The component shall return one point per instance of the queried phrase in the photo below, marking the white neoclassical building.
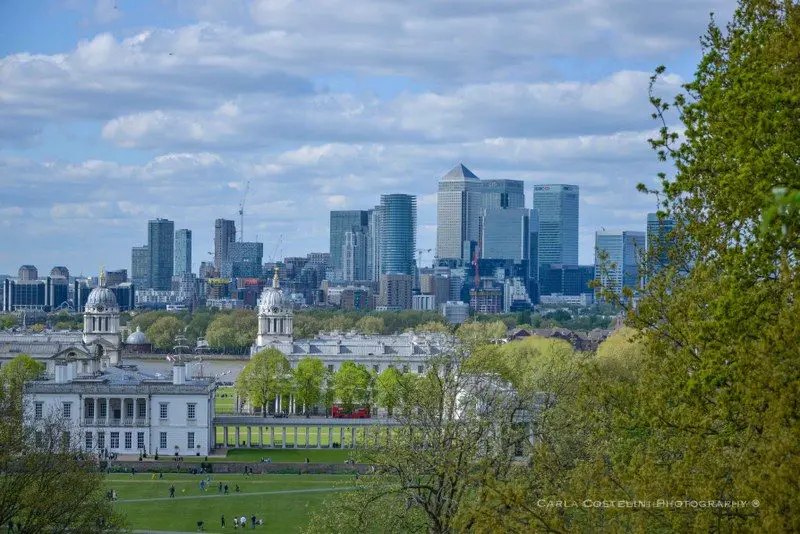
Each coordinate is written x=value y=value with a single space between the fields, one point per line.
x=406 y=352
x=113 y=407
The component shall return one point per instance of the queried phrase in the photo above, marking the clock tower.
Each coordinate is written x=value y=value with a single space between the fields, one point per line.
x=101 y=324
x=274 y=315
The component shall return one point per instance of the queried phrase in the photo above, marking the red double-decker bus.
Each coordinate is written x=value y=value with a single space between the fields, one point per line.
x=357 y=413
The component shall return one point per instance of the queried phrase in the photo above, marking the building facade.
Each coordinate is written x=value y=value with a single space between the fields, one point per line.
x=161 y=247
x=140 y=267
x=183 y=252
x=395 y=292
x=458 y=211
x=342 y=222
x=623 y=251
x=558 y=210
x=398 y=234
x=224 y=235
x=658 y=241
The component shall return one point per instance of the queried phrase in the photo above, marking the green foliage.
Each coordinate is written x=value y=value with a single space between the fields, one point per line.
x=351 y=383
x=309 y=377
x=267 y=374
x=232 y=330
x=15 y=373
x=370 y=325
x=8 y=321
x=389 y=388
x=162 y=332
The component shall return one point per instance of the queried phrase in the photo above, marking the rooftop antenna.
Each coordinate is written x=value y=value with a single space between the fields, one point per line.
x=241 y=211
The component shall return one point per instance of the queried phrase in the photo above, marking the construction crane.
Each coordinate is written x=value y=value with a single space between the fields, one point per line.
x=241 y=211
x=273 y=257
x=420 y=252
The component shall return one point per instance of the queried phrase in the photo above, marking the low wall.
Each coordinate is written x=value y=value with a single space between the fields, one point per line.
x=238 y=467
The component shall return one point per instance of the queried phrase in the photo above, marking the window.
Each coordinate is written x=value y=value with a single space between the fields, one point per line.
x=330 y=367
x=162 y=410
x=129 y=410
x=420 y=369
x=89 y=441
x=103 y=408
x=89 y=410
x=101 y=440
x=142 y=410
x=67 y=410
x=162 y=441
x=114 y=440
x=405 y=368
x=191 y=411
x=190 y=440
x=140 y=440
x=38 y=410
x=376 y=368
x=128 y=440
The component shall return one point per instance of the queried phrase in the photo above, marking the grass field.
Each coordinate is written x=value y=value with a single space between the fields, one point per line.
x=283 y=501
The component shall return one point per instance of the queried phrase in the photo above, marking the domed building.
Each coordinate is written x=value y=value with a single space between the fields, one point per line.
x=138 y=342
x=101 y=324
x=274 y=315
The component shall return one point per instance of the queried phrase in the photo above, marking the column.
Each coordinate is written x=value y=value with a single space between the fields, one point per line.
x=319 y=436
x=283 y=445
x=341 y=437
x=261 y=436
x=276 y=403
x=236 y=435
x=272 y=436
x=225 y=436
x=353 y=437
x=296 y=440
x=108 y=410
x=249 y=436
x=96 y=410
x=330 y=437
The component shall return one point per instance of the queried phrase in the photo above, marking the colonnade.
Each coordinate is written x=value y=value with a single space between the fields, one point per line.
x=310 y=436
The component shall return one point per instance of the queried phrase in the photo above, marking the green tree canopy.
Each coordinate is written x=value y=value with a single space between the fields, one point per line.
x=267 y=374
x=15 y=373
x=163 y=331
x=309 y=377
x=351 y=383
x=389 y=389
x=371 y=324
x=233 y=330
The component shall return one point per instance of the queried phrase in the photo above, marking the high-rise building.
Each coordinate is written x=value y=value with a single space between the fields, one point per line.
x=502 y=194
x=570 y=280
x=341 y=223
x=557 y=205
x=658 y=240
x=224 y=235
x=28 y=273
x=374 y=245
x=398 y=234
x=183 y=252
x=140 y=267
x=458 y=211
x=207 y=270
x=624 y=251
x=115 y=278
x=161 y=246
x=354 y=256
x=60 y=270
x=396 y=292
x=244 y=260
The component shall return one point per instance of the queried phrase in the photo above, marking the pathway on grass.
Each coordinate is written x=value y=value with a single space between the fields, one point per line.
x=241 y=494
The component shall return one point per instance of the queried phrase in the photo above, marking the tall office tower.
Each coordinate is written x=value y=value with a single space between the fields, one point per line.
x=624 y=251
x=140 y=267
x=374 y=244
x=658 y=241
x=458 y=211
x=395 y=292
x=161 y=246
x=322 y=259
x=60 y=270
x=207 y=270
x=27 y=273
x=244 y=260
x=341 y=223
x=115 y=278
x=354 y=256
x=557 y=205
x=224 y=235
x=398 y=234
x=501 y=194
x=183 y=252
x=513 y=234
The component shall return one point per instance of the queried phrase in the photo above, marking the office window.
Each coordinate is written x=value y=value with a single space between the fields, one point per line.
x=190 y=440
x=191 y=411
x=101 y=440
x=140 y=440
x=67 y=410
x=128 y=440
x=162 y=441
x=162 y=410
x=38 y=410
x=88 y=441
x=114 y=440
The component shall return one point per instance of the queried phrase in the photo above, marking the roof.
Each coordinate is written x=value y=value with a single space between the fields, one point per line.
x=460 y=173
x=122 y=379
x=43 y=345
x=393 y=346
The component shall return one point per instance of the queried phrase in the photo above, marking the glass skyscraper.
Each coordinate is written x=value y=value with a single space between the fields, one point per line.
x=557 y=205
x=183 y=252
x=624 y=251
x=398 y=233
x=344 y=221
x=658 y=240
x=161 y=246
x=224 y=235
x=140 y=267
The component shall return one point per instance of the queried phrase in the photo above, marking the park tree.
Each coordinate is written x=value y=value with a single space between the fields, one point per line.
x=8 y=321
x=309 y=377
x=15 y=373
x=163 y=331
x=389 y=389
x=266 y=375
x=235 y=330
x=436 y=327
x=351 y=383
x=370 y=324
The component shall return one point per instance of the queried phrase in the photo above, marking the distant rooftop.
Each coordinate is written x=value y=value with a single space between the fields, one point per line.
x=460 y=173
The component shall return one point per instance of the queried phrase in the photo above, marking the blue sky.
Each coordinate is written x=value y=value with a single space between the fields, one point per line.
x=113 y=112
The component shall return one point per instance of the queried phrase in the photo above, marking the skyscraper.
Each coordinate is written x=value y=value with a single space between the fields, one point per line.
x=458 y=211
x=557 y=205
x=341 y=223
x=624 y=250
x=161 y=246
x=224 y=235
x=398 y=233
x=244 y=260
x=658 y=240
x=374 y=245
x=354 y=256
x=140 y=267
x=501 y=194
x=183 y=252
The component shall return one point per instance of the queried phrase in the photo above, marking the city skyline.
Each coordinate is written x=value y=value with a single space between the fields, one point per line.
x=175 y=108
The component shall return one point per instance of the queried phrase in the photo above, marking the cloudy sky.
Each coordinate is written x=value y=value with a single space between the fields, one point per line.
x=113 y=112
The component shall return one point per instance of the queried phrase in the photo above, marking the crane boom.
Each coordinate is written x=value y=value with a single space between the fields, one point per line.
x=241 y=211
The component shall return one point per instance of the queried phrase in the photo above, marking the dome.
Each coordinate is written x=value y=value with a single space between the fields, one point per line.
x=272 y=298
x=101 y=297
x=137 y=338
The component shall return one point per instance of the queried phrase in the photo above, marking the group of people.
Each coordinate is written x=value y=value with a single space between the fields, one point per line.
x=111 y=495
x=241 y=522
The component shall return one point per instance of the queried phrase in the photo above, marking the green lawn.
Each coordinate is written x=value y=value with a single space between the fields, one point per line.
x=330 y=456
x=225 y=404
x=147 y=504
